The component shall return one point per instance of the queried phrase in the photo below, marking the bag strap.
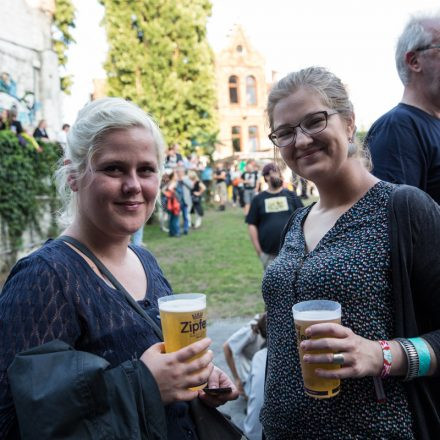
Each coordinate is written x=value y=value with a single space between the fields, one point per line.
x=118 y=286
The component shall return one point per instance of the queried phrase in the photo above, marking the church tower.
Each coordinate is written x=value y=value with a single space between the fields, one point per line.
x=242 y=94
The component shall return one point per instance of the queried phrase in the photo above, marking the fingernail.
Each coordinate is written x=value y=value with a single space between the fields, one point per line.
x=306 y=358
x=303 y=345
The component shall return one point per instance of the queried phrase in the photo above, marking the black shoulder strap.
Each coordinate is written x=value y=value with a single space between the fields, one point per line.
x=118 y=286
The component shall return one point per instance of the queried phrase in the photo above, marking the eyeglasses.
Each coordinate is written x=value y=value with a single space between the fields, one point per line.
x=430 y=46
x=311 y=124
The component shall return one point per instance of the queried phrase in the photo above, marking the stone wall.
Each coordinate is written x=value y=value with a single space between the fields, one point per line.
x=32 y=239
x=26 y=56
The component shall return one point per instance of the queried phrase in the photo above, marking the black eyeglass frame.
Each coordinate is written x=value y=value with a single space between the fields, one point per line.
x=293 y=127
x=430 y=46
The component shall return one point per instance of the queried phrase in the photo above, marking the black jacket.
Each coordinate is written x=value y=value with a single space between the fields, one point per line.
x=62 y=393
x=414 y=220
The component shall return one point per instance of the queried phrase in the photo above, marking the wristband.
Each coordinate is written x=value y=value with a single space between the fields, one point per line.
x=424 y=355
x=387 y=358
x=411 y=356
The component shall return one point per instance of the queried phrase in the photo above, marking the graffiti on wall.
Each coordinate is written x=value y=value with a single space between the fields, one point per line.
x=26 y=104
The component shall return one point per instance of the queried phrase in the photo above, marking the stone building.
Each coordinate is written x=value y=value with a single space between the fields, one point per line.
x=29 y=77
x=242 y=92
x=241 y=95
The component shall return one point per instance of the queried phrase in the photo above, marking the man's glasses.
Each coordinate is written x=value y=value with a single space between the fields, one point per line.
x=311 y=124
x=430 y=46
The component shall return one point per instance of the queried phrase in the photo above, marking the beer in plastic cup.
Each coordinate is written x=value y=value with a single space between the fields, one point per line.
x=306 y=314
x=183 y=318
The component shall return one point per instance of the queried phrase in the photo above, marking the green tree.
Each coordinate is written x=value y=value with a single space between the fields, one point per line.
x=64 y=21
x=160 y=59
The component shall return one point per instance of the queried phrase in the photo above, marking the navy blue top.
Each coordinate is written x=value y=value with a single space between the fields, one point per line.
x=351 y=265
x=405 y=148
x=54 y=294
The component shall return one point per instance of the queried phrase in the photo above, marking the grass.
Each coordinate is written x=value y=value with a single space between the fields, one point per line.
x=218 y=259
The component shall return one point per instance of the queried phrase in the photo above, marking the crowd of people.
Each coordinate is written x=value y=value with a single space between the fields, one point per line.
x=190 y=183
x=9 y=120
x=78 y=360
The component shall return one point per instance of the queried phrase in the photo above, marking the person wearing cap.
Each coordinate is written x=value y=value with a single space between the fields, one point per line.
x=268 y=214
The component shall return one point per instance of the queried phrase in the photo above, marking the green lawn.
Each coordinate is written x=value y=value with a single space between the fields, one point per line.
x=218 y=259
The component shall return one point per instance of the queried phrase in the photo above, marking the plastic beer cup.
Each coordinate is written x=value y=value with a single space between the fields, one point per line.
x=183 y=318
x=306 y=314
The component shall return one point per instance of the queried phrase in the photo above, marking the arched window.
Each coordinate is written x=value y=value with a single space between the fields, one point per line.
x=251 y=90
x=236 y=138
x=253 y=141
x=233 y=89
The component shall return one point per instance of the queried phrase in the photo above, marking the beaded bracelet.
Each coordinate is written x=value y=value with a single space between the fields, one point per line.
x=387 y=358
x=411 y=356
x=424 y=355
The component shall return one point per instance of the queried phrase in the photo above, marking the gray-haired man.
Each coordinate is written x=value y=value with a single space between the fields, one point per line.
x=405 y=142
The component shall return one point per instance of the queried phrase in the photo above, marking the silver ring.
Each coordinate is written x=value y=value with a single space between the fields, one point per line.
x=338 y=359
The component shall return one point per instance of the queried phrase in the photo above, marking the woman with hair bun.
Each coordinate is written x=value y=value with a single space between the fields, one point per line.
x=369 y=245
x=79 y=358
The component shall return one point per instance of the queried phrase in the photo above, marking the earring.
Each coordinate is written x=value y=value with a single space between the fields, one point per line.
x=352 y=147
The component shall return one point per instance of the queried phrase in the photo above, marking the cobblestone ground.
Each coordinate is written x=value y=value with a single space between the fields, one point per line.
x=219 y=331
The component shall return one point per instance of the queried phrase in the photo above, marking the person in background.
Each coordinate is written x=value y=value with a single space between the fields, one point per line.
x=62 y=136
x=138 y=236
x=237 y=187
x=89 y=364
x=239 y=350
x=405 y=142
x=4 y=119
x=255 y=387
x=40 y=132
x=206 y=177
x=162 y=206
x=183 y=190
x=221 y=193
x=172 y=205
x=196 y=195
x=13 y=123
x=250 y=179
x=370 y=245
x=269 y=212
x=173 y=158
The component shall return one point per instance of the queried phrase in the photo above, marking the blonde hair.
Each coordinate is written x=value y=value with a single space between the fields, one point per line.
x=93 y=123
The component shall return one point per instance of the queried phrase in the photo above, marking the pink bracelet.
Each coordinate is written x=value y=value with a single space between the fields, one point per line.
x=387 y=358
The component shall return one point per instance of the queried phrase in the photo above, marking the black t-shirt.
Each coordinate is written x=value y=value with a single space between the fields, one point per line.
x=219 y=173
x=405 y=148
x=269 y=213
x=251 y=177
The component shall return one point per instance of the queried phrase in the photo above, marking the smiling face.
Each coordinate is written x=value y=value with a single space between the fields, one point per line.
x=118 y=195
x=319 y=156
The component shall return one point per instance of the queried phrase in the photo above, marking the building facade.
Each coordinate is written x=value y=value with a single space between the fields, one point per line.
x=29 y=77
x=242 y=92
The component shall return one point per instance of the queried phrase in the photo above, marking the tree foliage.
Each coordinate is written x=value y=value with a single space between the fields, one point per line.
x=25 y=175
x=159 y=58
x=64 y=21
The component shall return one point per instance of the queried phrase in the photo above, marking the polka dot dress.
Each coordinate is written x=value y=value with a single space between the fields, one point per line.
x=351 y=265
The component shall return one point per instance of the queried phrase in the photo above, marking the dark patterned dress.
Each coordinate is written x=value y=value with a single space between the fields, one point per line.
x=351 y=265
x=54 y=294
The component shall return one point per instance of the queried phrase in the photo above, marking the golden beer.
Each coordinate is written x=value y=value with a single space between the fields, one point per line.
x=306 y=315
x=183 y=319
